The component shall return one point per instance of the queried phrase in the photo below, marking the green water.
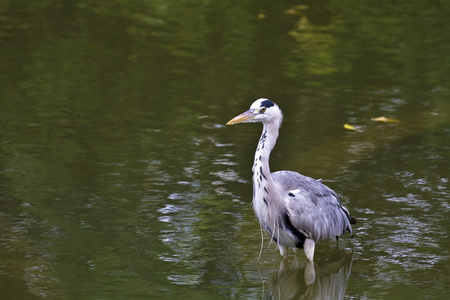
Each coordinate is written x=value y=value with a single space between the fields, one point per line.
x=119 y=179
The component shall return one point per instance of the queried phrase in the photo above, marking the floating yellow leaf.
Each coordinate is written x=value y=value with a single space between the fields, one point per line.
x=292 y=11
x=261 y=16
x=349 y=127
x=384 y=119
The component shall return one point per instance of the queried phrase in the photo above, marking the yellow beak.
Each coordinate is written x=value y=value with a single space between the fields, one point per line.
x=244 y=117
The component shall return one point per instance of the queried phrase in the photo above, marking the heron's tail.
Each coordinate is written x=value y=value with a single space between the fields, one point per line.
x=350 y=218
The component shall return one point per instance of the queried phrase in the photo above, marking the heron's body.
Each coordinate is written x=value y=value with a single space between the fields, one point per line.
x=298 y=211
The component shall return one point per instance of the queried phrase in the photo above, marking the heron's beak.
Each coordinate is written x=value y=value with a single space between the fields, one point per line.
x=242 y=118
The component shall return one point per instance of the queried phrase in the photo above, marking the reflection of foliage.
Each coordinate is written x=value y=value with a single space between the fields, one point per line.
x=314 y=45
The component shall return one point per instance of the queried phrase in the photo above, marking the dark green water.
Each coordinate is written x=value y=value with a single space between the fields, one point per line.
x=119 y=179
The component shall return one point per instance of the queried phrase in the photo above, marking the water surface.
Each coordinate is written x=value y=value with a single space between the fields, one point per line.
x=119 y=179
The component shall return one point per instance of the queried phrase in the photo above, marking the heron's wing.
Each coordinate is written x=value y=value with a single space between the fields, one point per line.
x=313 y=208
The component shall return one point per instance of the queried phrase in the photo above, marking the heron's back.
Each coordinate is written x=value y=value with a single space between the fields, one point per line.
x=314 y=209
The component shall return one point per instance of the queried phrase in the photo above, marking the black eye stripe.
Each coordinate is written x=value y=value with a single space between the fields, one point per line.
x=267 y=103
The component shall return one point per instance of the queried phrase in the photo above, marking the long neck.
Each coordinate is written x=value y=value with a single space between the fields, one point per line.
x=263 y=184
x=261 y=169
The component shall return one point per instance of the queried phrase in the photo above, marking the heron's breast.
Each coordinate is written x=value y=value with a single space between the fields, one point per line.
x=261 y=204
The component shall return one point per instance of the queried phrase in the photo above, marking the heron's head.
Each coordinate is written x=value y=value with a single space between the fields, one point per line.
x=262 y=110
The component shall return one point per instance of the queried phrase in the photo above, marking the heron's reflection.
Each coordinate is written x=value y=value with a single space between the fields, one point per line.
x=313 y=280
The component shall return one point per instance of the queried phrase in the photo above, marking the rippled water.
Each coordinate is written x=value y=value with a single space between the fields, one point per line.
x=119 y=179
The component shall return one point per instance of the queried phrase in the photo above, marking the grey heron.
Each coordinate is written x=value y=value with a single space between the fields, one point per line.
x=297 y=211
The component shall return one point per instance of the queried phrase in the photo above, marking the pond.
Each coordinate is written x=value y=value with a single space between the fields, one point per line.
x=120 y=180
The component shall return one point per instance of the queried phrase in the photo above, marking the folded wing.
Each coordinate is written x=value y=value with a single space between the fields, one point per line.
x=313 y=208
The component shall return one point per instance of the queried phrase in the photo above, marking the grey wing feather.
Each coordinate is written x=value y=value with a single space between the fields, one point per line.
x=314 y=209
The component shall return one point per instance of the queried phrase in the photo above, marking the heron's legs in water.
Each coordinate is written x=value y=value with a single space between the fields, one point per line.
x=309 y=246
x=283 y=250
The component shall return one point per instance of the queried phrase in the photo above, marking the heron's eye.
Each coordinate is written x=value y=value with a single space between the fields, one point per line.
x=262 y=110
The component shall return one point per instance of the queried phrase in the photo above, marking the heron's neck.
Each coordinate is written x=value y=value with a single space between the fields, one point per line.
x=261 y=169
